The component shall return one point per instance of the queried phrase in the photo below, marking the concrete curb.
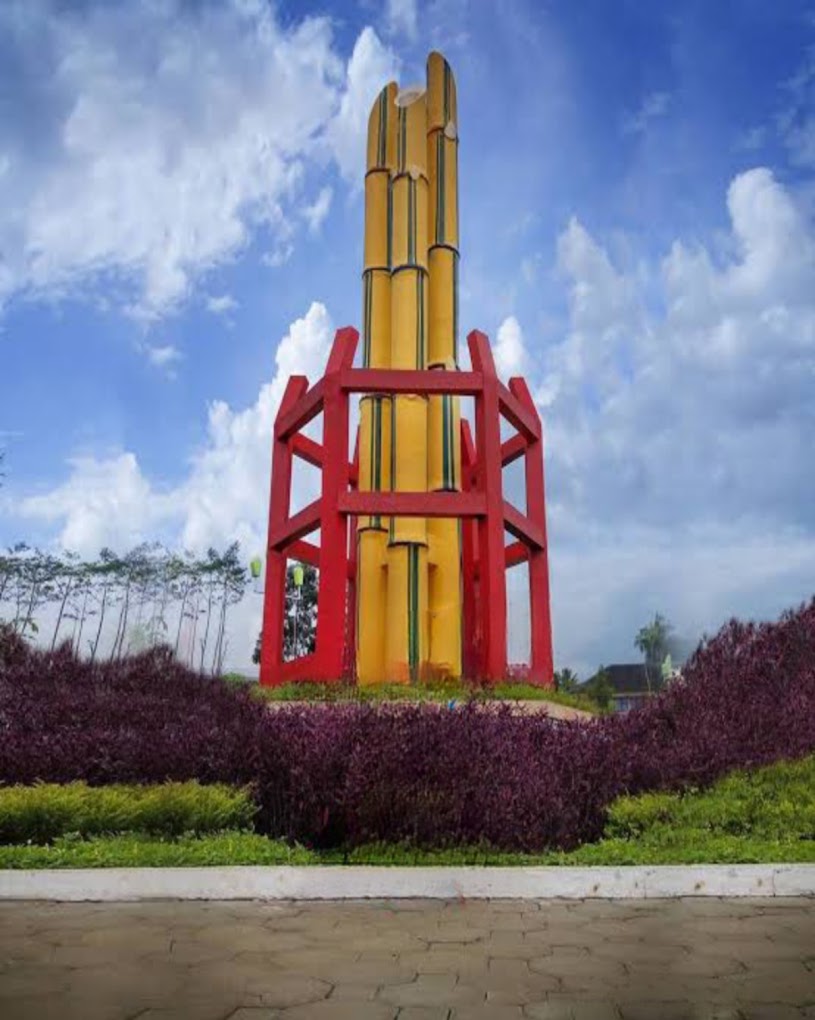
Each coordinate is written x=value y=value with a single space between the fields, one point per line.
x=362 y=882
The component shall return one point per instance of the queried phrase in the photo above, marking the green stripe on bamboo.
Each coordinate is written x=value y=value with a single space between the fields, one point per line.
x=413 y=608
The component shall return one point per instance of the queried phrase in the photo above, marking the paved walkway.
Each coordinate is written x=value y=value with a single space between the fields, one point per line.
x=704 y=959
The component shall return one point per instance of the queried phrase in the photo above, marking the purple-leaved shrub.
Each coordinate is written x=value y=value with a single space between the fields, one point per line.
x=419 y=773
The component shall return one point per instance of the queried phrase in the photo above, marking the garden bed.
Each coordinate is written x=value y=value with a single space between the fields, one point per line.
x=755 y=817
x=401 y=781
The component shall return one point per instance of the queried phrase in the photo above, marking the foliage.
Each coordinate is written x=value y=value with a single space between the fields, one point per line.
x=774 y=802
x=144 y=718
x=653 y=641
x=442 y=691
x=41 y=813
x=600 y=690
x=137 y=850
x=412 y=773
x=748 y=817
x=566 y=681
x=300 y=619
x=124 y=603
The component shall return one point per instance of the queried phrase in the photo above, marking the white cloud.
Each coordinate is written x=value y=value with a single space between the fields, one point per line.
x=224 y=497
x=225 y=494
x=678 y=413
x=315 y=214
x=221 y=304
x=401 y=18
x=163 y=357
x=509 y=350
x=653 y=106
x=103 y=502
x=151 y=141
x=372 y=64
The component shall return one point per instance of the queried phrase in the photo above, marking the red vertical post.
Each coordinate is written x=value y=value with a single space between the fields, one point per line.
x=350 y=670
x=332 y=596
x=541 y=666
x=271 y=645
x=492 y=564
x=470 y=644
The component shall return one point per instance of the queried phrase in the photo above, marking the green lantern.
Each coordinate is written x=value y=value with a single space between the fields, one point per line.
x=298 y=575
x=255 y=566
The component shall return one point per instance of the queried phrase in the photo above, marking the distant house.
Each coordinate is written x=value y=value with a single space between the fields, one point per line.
x=629 y=684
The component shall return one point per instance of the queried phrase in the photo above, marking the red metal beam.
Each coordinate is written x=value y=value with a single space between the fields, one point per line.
x=414 y=504
x=515 y=553
x=306 y=408
x=302 y=524
x=305 y=552
x=299 y=670
x=513 y=449
x=306 y=449
x=389 y=380
x=524 y=420
x=522 y=528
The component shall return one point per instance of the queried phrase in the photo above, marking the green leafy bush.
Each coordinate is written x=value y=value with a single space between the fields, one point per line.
x=41 y=813
x=774 y=802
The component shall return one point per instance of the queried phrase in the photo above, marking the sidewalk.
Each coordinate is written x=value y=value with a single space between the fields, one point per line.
x=409 y=960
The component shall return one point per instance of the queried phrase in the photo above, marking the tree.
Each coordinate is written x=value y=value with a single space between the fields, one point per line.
x=566 y=681
x=300 y=620
x=599 y=689
x=652 y=640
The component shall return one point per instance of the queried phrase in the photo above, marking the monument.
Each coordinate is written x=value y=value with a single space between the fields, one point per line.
x=412 y=556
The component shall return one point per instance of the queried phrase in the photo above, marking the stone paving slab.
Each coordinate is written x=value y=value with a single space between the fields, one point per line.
x=691 y=959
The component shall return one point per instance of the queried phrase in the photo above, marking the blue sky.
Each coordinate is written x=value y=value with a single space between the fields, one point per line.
x=181 y=227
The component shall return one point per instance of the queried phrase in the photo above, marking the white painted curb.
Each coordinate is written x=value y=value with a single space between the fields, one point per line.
x=361 y=882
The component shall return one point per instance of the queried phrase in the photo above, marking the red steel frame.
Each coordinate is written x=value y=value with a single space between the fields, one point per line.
x=481 y=507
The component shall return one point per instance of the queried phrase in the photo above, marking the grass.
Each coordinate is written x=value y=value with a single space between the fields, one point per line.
x=766 y=816
x=313 y=691
x=140 y=850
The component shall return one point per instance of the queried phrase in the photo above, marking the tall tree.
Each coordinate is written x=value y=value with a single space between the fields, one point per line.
x=652 y=640
x=300 y=619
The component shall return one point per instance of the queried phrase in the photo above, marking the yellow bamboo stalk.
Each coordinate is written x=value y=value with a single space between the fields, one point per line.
x=409 y=462
x=409 y=319
x=444 y=597
x=375 y=410
x=444 y=442
x=411 y=131
x=381 y=150
x=371 y=601
x=406 y=617
x=444 y=413
x=376 y=318
x=442 y=101
x=374 y=452
x=442 y=307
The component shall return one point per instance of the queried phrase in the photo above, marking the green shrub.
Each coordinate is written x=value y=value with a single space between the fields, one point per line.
x=41 y=813
x=772 y=803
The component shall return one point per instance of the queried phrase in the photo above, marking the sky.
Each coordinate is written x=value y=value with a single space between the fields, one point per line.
x=181 y=229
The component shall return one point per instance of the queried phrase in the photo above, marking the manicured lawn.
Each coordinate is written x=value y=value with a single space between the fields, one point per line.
x=421 y=692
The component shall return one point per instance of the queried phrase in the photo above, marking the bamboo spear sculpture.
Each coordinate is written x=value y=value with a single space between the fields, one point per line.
x=409 y=569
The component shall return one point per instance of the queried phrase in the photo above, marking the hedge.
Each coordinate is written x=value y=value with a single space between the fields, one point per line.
x=42 y=813
x=411 y=774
